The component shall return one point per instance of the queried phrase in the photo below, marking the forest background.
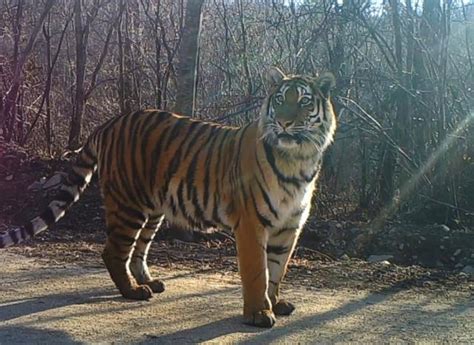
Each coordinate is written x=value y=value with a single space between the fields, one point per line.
x=404 y=96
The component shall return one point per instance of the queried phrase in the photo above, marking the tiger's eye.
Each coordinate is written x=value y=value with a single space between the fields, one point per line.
x=305 y=101
x=279 y=99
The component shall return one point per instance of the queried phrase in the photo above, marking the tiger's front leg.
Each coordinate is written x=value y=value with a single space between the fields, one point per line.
x=251 y=244
x=281 y=244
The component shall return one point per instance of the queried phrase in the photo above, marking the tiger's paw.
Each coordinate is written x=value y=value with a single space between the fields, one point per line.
x=139 y=292
x=264 y=318
x=156 y=285
x=283 y=308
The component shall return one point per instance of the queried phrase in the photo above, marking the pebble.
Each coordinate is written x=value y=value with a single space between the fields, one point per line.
x=379 y=258
x=344 y=257
x=468 y=270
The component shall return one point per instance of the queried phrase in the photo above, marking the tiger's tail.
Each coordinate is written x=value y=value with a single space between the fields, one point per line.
x=75 y=183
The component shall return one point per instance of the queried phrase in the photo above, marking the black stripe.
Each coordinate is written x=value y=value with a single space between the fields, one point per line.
x=260 y=169
x=128 y=223
x=155 y=159
x=238 y=165
x=116 y=194
x=137 y=180
x=323 y=102
x=173 y=206
x=175 y=162
x=181 y=199
x=48 y=216
x=151 y=127
x=108 y=151
x=271 y=160
x=215 y=211
x=283 y=230
x=202 y=128
x=145 y=240
x=124 y=238
x=275 y=261
x=175 y=131
x=278 y=250
x=267 y=200
x=120 y=158
x=88 y=153
x=198 y=211
x=132 y=174
x=152 y=224
x=219 y=177
x=207 y=168
x=75 y=179
x=265 y=222
x=131 y=212
x=80 y=163
x=65 y=196
x=192 y=166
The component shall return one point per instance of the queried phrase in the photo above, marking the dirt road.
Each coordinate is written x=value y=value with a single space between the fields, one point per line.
x=70 y=303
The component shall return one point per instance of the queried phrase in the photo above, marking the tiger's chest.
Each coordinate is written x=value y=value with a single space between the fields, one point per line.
x=293 y=209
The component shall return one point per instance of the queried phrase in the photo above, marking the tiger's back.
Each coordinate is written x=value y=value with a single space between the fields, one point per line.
x=182 y=168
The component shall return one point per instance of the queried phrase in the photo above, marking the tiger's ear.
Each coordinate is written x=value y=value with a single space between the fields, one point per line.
x=273 y=77
x=325 y=83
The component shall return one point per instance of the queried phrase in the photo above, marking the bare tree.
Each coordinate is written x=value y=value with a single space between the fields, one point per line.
x=8 y=109
x=187 y=58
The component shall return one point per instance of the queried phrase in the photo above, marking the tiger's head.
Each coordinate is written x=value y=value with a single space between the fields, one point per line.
x=297 y=114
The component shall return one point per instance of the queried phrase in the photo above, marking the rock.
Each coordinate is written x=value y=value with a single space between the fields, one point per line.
x=379 y=258
x=355 y=231
x=385 y=263
x=54 y=182
x=442 y=227
x=445 y=227
x=9 y=178
x=468 y=270
x=35 y=186
x=344 y=257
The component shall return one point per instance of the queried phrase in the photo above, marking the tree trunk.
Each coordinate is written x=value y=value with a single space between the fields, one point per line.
x=187 y=58
x=81 y=50
x=81 y=31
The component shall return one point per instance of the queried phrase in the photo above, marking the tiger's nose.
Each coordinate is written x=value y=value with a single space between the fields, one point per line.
x=285 y=124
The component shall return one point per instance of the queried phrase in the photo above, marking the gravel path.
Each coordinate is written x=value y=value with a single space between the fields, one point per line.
x=77 y=303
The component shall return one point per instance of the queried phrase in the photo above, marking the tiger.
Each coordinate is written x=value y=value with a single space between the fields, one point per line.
x=256 y=180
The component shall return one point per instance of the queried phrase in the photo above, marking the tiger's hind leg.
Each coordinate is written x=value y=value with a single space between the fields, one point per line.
x=138 y=263
x=124 y=225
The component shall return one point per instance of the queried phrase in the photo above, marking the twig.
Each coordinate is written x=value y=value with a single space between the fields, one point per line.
x=454 y=207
